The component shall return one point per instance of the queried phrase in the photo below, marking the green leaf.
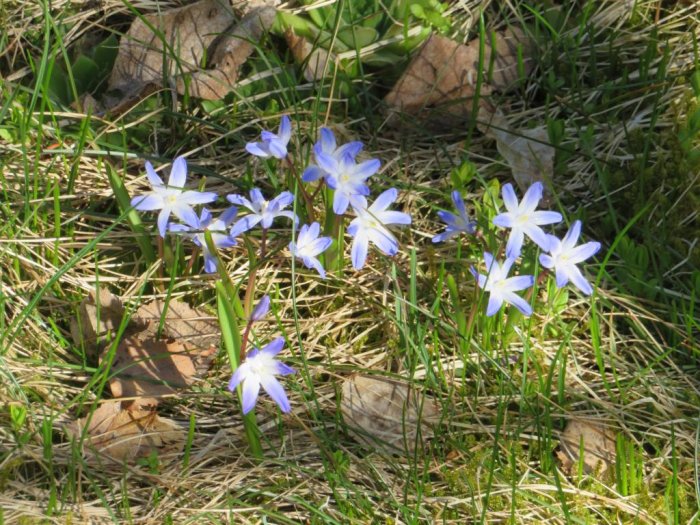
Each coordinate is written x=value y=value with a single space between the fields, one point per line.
x=357 y=37
x=105 y=54
x=86 y=74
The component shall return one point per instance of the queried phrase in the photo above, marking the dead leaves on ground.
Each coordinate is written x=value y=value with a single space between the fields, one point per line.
x=122 y=434
x=207 y=30
x=388 y=414
x=144 y=368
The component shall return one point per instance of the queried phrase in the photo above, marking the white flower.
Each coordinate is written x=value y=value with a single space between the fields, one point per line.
x=564 y=255
x=502 y=288
x=522 y=219
x=261 y=210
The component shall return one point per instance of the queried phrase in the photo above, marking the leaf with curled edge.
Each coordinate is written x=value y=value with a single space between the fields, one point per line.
x=389 y=414
x=126 y=435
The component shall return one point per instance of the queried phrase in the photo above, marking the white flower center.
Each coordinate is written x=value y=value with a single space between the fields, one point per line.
x=262 y=365
x=523 y=219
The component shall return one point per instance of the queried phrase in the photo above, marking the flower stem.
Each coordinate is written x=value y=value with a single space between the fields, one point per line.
x=250 y=287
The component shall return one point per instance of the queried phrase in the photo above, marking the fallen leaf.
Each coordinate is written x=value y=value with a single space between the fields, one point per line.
x=181 y=322
x=126 y=434
x=598 y=447
x=98 y=315
x=444 y=73
x=388 y=413
x=316 y=61
x=148 y=367
x=172 y=45
x=527 y=151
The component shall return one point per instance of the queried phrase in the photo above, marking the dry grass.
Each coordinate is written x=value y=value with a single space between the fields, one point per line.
x=622 y=363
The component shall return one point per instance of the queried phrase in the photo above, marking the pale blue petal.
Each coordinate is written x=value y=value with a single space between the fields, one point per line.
x=228 y=215
x=327 y=141
x=532 y=198
x=547 y=217
x=313 y=230
x=209 y=262
x=186 y=214
x=244 y=224
x=163 y=217
x=562 y=275
x=515 y=244
x=517 y=301
x=312 y=173
x=278 y=148
x=275 y=390
x=313 y=262
x=537 y=235
x=353 y=227
x=388 y=245
x=240 y=200
x=494 y=304
x=351 y=149
x=442 y=237
x=258 y=149
x=178 y=173
x=178 y=228
x=340 y=203
x=459 y=203
x=505 y=268
x=553 y=243
x=520 y=282
x=448 y=218
x=274 y=347
x=319 y=245
x=504 y=220
x=283 y=370
x=579 y=281
x=251 y=389
x=359 y=250
x=237 y=377
x=394 y=217
x=256 y=197
x=327 y=163
x=569 y=240
x=283 y=200
x=261 y=309
x=546 y=261
x=509 y=198
x=385 y=199
x=152 y=176
x=583 y=252
x=489 y=260
x=366 y=169
x=197 y=197
x=285 y=130
x=147 y=202
x=289 y=214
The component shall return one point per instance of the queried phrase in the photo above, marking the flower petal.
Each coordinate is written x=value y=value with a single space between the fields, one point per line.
x=519 y=282
x=313 y=262
x=327 y=163
x=383 y=240
x=442 y=237
x=546 y=261
x=261 y=309
x=228 y=215
x=240 y=200
x=509 y=198
x=569 y=240
x=237 y=377
x=340 y=203
x=282 y=369
x=514 y=244
x=504 y=220
x=276 y=391
x=394 y=217
x=277 y=148
x=283 y=200
x=366 y=169
x=359 y=250
x=546 y=217
x=147 y=202
x=152 y=176
x=244 y=224
x=327 y=141
x=251 y=389
x=583 y=252
x=285 y=130
x=579 y=281
x=186 y=214
x=209 y=262
x=197 y=197
x=312 y=173
x=384 y=200
x=494 y=304
x=259 y=149
x=351 y=149
x=319 y=245
x=459 y=202
x=178 y=173
x=532 y=198
x=517 y=301
x=274 y=347
x=163 y=217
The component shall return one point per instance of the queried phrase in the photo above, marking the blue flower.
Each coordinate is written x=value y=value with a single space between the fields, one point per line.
x=273 y=144
x=370 y=225
x=502 y=288
x=259 y=369
x=326 y=145
x=219 y=234
x=171 y=198
x=522 y=219
x=262 y=211
x=308 y=245
x=564 y=255
x=456 y=224
x=261 y=309
x=347 y=178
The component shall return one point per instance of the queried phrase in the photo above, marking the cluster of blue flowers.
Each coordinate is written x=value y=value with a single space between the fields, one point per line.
x=338 y=168
x=524 y=220
x=335 y=166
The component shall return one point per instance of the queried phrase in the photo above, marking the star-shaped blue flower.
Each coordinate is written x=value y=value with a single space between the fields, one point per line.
x=326 y=145
x=261 y=210
x=456 y=224
x=272 y=144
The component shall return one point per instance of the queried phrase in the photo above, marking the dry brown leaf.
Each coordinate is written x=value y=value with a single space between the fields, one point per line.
x=317 y=62
x=444 y=75
x=182 y=323
x=387 y=413
x=148 y=367
x=89 y=328
x=127 y=434
x=598 y=447
x=184 y=37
